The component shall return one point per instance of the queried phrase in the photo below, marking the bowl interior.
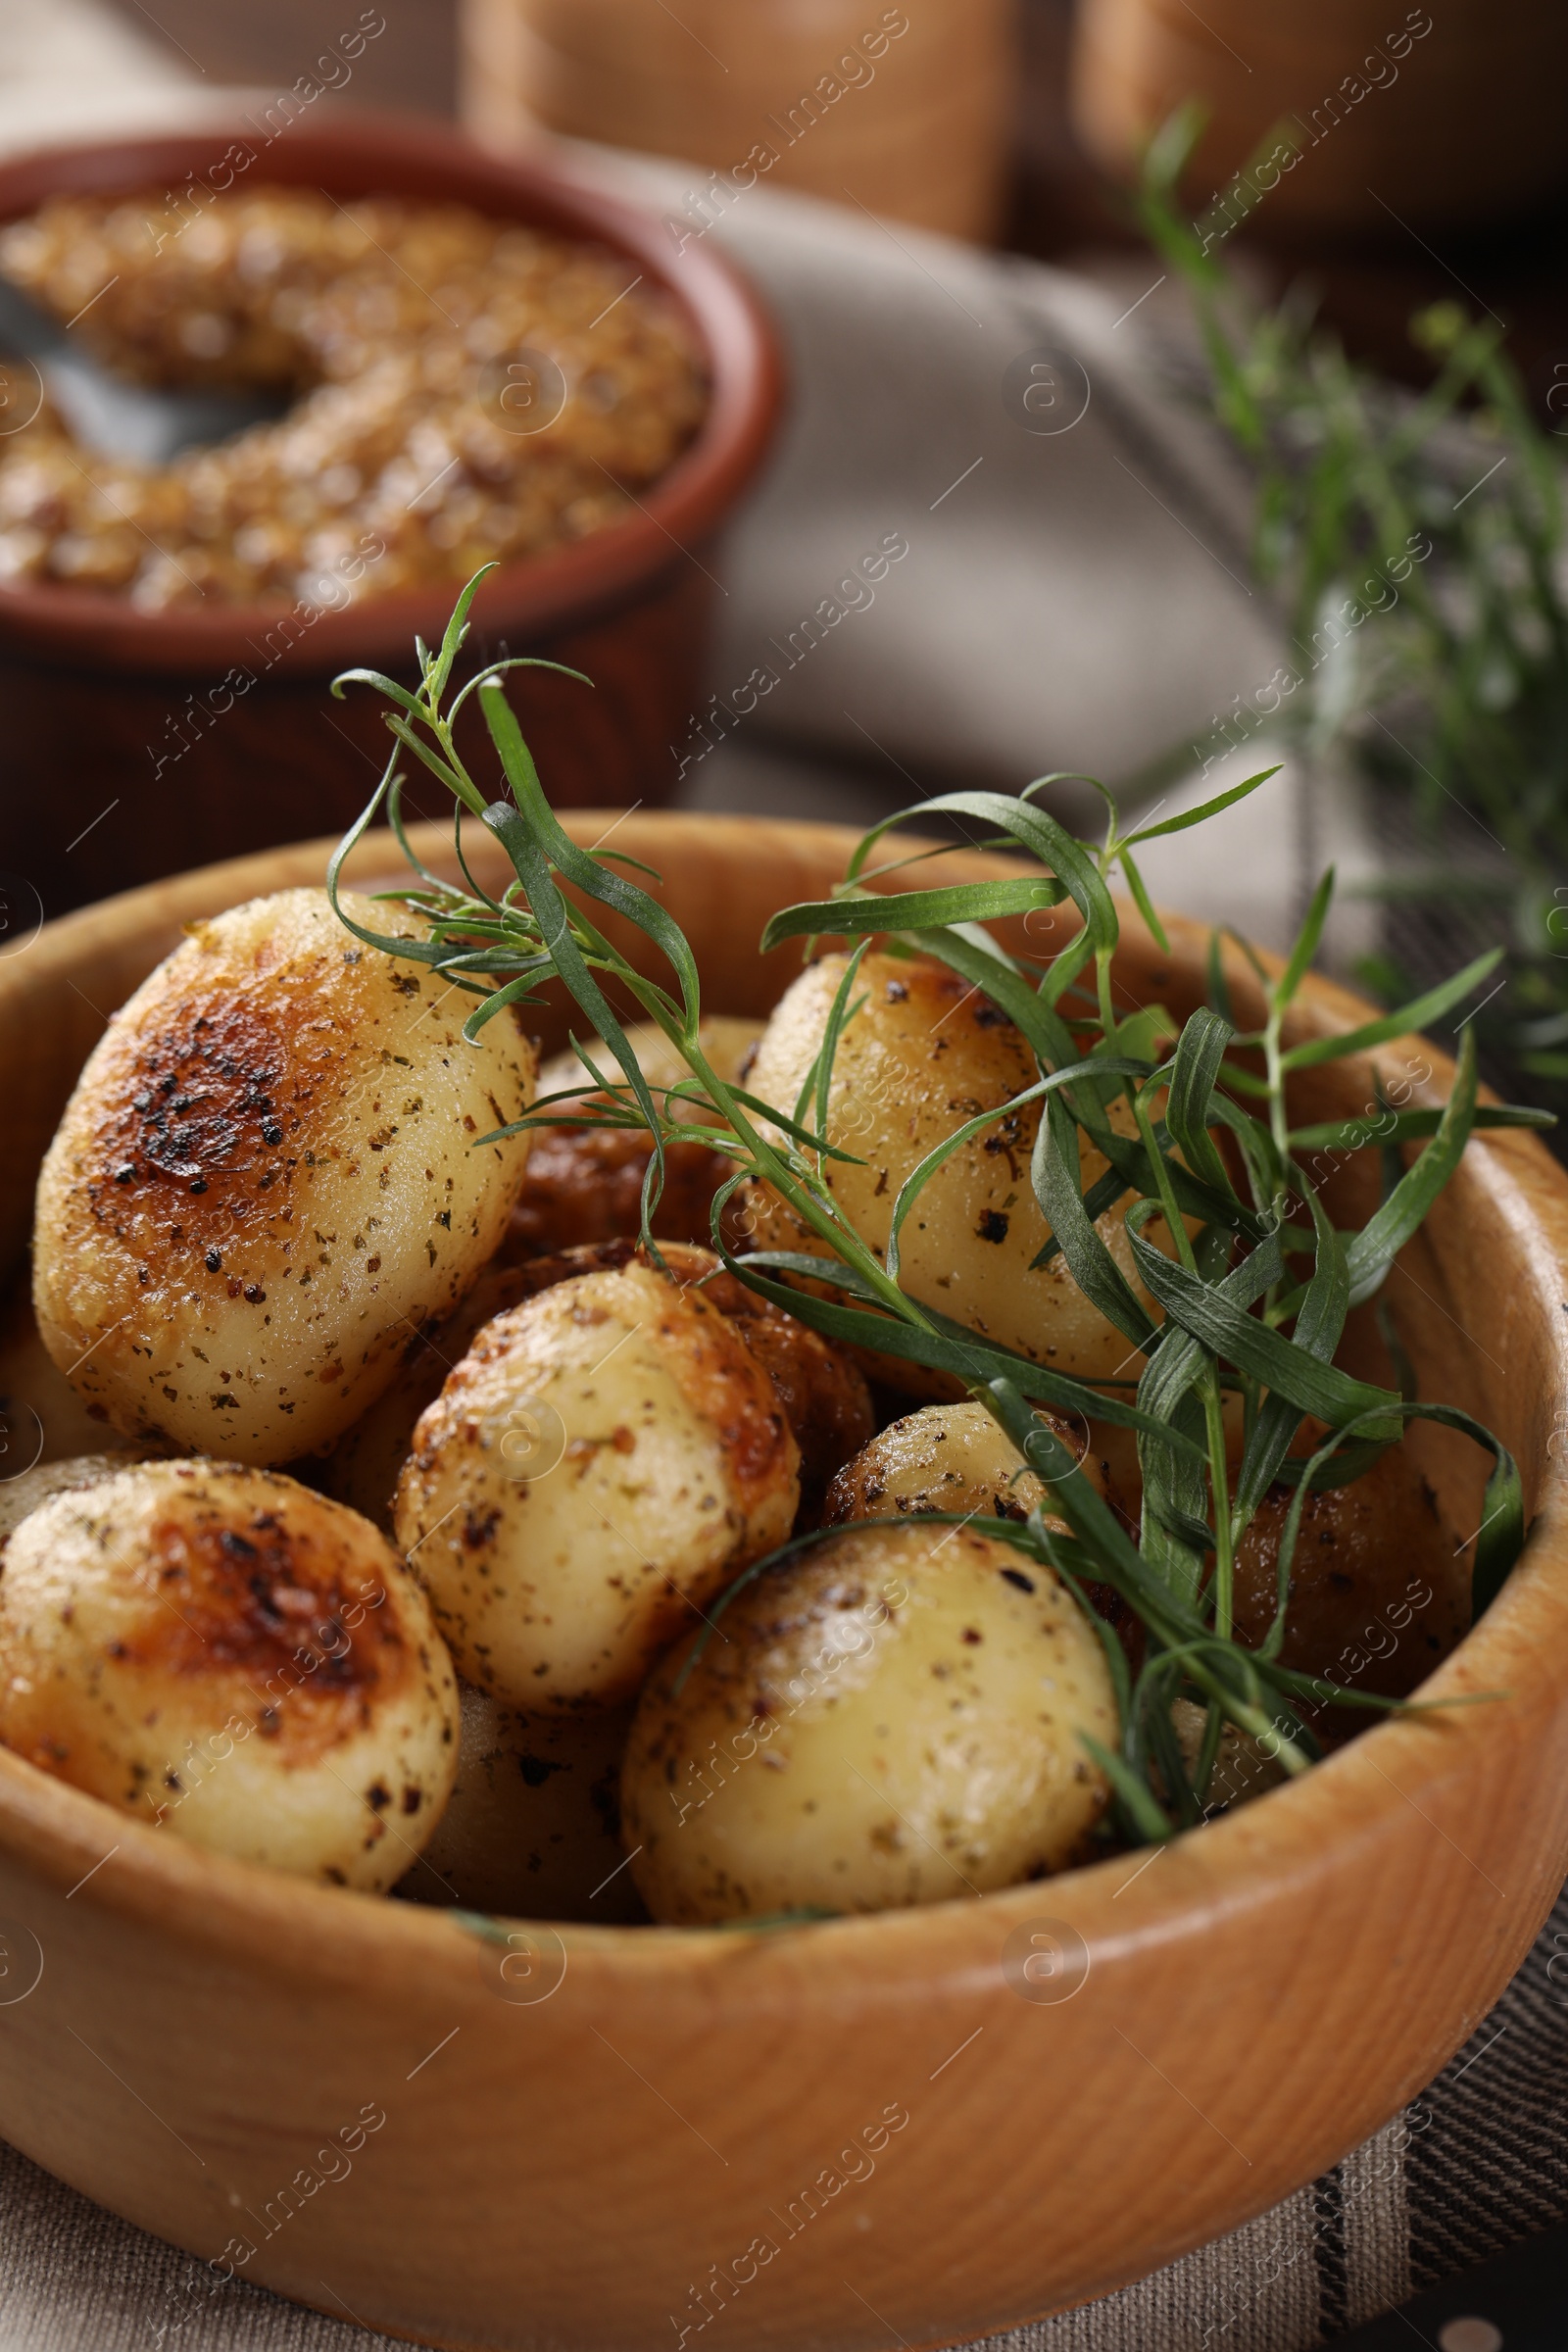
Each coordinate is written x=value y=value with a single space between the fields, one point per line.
x=722 y=879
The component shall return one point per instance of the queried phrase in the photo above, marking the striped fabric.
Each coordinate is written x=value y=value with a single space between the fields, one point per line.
x=1477 y=2163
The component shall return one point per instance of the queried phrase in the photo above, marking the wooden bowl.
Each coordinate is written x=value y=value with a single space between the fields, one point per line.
x=929 y=2122
x=135 y=724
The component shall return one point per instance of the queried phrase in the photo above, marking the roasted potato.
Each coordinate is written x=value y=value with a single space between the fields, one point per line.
x=925 y=1053
x=531 y=1826
x=951 y=1457
x=586 y=1184
x=226 y=1655
x=891 y=1717
x=1243 y=1767
x=21 y=1497
x=603 y=1459
x=823 y=1391
x=267 y=1178
x=726 y=1039
x=1379 y=1590
x=364 y=1467
x=824 y=1395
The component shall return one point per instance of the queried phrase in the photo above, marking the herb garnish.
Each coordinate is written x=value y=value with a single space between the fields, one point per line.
x=1254 y=1299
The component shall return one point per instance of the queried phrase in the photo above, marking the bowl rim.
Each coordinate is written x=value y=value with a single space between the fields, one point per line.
x=373 y=152
x=1301 y=1830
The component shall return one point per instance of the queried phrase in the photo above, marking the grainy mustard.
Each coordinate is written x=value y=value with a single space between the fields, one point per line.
x=468 y=389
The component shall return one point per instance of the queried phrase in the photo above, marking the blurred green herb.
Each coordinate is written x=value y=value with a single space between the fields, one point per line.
x=1253 y=1282
x=1415 y=544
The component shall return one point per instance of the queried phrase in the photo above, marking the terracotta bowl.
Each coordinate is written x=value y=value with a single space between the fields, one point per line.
x=96 y=694
x=597 y=2138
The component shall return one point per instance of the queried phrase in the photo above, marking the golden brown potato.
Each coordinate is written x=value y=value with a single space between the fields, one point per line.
x=925 y=1053
x=21 y=1497
x=364 y=1467
x=603 y=1461
x=1378 y=1592
x=1242 y=1770
x=586 y=1184
x=889 y=1717
x=951 y=1457
x=531 y=1828
x=267 y=1178
x=230 y=1658
x=824 y=1395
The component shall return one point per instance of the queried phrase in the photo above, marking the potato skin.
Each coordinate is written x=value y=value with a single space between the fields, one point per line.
x=893 y=1719
x=364 y=1467
x=531 y=1826
x=824 y=1395
x=229 y=1657
x=951 y=1457
x=21 y=1497
x=727 y=1039
x=1243 y=1769
x=586 y=1184
x=265 y=1176
x=1378 y=1596
x=603 y=1461
x=925 y=1053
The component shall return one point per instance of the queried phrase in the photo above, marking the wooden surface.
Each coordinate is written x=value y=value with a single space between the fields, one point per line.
x=568 y=2170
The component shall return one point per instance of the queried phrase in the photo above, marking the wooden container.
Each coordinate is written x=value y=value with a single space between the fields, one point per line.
x=1450 y=115
x=126 y=752
x=903 y=112
x=839 y=2134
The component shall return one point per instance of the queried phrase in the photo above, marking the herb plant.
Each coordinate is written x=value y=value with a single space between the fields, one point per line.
x=1417 y=551
x=1254 y=1299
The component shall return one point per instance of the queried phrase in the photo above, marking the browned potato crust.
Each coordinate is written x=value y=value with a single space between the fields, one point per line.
x=951 y=1457
x=267 y=1178
x=364 y=1467
x=824 y=1395
x=1379 y=1590
x=234 y=1659
x=586 y=1184
x=560 y=1569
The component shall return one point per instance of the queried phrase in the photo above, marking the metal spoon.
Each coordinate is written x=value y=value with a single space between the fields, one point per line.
x=144 y=424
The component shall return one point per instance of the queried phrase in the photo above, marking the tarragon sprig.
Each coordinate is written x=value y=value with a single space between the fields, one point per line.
x=1251 y=1288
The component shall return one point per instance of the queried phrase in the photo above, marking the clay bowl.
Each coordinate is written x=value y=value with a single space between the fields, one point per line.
x=171 y=759
x=829 y=2132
